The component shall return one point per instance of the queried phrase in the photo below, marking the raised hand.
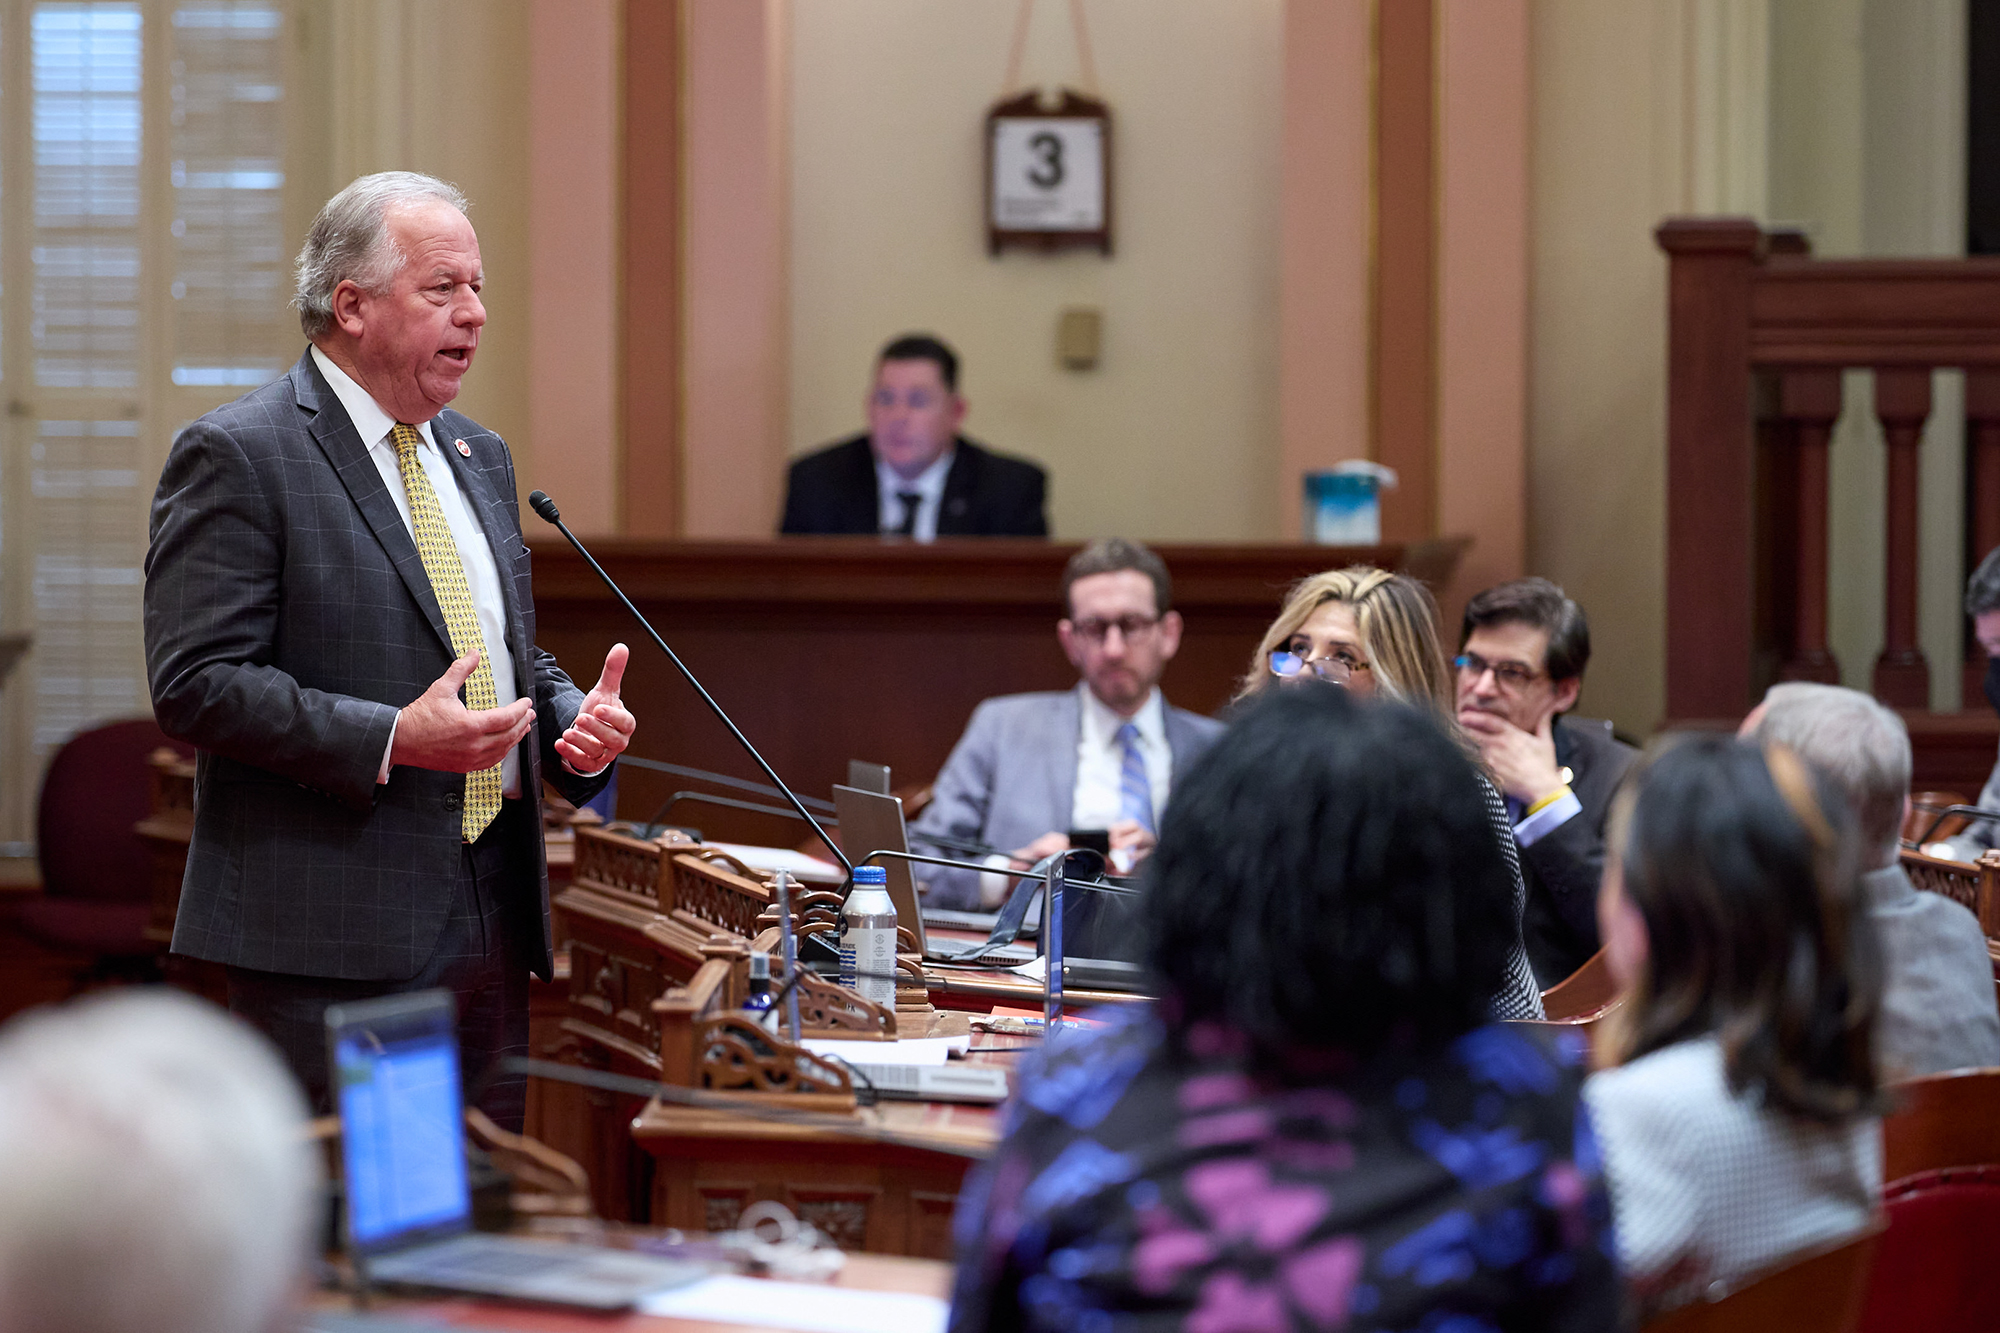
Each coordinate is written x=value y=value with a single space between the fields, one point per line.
x=1523 y=762
x=603 y=728
x=438 y=731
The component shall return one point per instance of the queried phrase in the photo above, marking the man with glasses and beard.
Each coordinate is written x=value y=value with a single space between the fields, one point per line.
x=1522 y=649
x=1104 y=755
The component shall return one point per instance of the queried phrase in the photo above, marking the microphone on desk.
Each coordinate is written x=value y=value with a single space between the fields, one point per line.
x=540 y=502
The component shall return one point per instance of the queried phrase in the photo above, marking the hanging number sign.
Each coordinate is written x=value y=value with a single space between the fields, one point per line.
x=1048 y=173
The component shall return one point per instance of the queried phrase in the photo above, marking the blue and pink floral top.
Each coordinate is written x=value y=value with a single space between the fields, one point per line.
x=1144 y=1187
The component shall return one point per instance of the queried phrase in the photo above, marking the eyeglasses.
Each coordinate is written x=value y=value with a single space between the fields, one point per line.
x=1287 y=665
x=1128 y=627
x=1507 y=675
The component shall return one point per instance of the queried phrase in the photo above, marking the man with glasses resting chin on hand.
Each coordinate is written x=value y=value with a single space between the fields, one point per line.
x=1032 y=767
x=1522 y=650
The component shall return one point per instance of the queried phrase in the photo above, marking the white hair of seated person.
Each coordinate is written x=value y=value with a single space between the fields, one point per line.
x=154 y=1172
x=1856 y=743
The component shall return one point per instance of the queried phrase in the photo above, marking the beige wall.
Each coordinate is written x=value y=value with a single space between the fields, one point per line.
x=1611 y=156
x=1175 y=435
x=399 y=103
x=573 y=196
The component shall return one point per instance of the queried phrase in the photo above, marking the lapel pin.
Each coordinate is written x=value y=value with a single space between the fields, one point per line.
x=464 y=449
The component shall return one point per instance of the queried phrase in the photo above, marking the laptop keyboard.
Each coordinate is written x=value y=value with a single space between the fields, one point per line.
x=478 y=1257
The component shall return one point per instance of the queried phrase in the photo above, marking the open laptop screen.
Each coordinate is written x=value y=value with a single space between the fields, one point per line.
x=395 y=1064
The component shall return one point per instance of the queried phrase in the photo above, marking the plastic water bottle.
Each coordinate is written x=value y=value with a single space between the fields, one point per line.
x=868 y=938
x=758 y=1002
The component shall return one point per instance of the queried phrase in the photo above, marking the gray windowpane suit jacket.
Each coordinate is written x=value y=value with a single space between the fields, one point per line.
x=288 y=618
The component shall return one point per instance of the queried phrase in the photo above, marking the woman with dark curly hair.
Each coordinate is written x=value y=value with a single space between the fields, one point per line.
x=1318 y=1123
x=1740 y=1124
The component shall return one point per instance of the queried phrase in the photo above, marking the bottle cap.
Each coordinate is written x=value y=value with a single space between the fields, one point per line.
x=760 y=965
x=867 y=875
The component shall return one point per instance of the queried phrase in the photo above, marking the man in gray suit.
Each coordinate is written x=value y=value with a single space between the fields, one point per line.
x=334 y=558
x=1104 y=755
x=1938 y=1010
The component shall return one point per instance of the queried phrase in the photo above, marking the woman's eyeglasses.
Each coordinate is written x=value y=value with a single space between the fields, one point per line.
x=1288 y=665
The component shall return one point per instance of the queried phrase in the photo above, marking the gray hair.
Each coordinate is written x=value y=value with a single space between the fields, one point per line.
x=349 y=241
x=158 y=1172
x=1858 y=745
x=1982 y=590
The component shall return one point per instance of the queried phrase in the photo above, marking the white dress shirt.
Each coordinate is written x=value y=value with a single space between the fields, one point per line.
x=482 y=574
x=928 y=484
x=1100 y=759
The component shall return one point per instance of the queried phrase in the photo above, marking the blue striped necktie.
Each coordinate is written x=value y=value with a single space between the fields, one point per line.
x=1135 y=789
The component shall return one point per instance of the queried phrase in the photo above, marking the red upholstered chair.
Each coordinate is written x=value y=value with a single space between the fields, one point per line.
x=1934 y=1266
x=1820 y=1291
x=96 y=872
x=1950 y=1119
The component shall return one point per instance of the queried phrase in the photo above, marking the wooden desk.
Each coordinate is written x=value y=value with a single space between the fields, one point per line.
x=827 y=649
x=970 y=991
x=886 y=1198
x=865 y=1272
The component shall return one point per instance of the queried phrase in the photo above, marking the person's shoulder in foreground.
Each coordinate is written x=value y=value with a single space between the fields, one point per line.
x=1938 y=1002
x=1316 y=1124
x=1179 y=1189
x=1708 y=1184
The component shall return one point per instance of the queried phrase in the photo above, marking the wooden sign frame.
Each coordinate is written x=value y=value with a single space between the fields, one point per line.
x=1071 y=105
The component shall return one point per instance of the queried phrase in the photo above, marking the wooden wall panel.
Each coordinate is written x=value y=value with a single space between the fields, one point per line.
x=830 y=649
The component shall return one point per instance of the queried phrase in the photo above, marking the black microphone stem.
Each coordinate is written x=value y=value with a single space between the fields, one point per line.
x=540 y=502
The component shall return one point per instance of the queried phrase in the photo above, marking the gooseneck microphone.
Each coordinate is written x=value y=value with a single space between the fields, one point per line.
x=540 y=502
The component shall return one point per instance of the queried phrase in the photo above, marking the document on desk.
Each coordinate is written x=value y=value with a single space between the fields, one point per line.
x=771 y=859
x=801 y=1306
x=906 y=1051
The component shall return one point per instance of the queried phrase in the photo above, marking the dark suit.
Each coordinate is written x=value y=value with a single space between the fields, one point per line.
x=1563 y=866
x=288 y=618
x=985 y=494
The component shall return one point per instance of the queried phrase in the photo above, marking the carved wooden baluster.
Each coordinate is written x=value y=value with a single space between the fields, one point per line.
x=1982 y=414
x=1810 y=400
x=1903 y=402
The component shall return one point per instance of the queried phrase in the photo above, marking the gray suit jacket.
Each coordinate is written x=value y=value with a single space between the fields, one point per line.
x=1938 y=1007
x=1012 y=777
x=287 y=619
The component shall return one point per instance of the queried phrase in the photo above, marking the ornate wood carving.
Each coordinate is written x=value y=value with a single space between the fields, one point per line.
x=826 y=1009
x=721 y=1205
x=839 y=1214
x=739 y=1056
x=707 y=886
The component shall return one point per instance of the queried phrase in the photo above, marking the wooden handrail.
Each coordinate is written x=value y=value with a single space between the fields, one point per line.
x=1759 y=334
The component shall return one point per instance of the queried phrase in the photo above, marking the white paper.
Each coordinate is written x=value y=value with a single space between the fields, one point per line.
x=1035 y=969
x=907 y=1051
x=800 y=1306
x=808 y=868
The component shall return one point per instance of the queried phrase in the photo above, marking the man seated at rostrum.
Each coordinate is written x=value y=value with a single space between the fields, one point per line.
x=911 y=474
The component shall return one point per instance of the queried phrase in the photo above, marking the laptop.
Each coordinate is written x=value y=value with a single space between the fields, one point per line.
x=402 y=1148
x=872 y=822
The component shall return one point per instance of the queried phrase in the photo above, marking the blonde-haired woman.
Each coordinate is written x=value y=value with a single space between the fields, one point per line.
x=1376 y=633
x=1365 y=628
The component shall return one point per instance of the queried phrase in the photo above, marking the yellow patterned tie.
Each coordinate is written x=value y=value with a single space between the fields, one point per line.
x=446 y=572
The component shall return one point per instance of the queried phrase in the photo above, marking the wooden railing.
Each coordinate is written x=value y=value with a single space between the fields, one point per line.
x=1759 y=334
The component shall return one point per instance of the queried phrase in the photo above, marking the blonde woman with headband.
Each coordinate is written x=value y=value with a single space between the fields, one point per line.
x=1375 y=634
x=1739 y=1116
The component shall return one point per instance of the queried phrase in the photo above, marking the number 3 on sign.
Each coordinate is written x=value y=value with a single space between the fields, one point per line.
x=1048 y=174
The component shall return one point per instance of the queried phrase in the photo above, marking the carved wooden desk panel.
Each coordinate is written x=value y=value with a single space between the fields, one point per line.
x=886 y=1199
